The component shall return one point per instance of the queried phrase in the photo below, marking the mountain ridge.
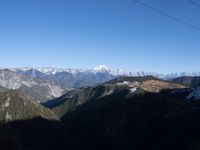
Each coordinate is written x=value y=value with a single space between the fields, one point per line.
x=132 y=85
x=103 y=68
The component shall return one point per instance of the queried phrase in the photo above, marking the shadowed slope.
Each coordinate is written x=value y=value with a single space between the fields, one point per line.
x=72 y=99
x=164 y=120
x=36 y=134
x=189 y=81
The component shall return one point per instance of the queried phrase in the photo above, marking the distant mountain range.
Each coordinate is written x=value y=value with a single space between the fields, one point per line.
x=101 y=72
x=70 y=78
x=44 y=84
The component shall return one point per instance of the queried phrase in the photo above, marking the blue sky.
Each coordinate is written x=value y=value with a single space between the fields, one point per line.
x=84 y=34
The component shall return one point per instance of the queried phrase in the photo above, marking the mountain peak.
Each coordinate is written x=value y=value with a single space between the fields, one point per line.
x=101 y=67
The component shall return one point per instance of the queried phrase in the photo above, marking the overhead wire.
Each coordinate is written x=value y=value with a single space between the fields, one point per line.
x=193 y=3
x=167 y=15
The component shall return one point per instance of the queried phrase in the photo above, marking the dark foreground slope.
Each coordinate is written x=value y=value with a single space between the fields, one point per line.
x=154 y=121
x=124 y=114
x=26 y=125
x=134 y=114
x=35 y=134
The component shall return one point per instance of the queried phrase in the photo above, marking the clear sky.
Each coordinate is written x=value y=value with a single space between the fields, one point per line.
x=86 y=33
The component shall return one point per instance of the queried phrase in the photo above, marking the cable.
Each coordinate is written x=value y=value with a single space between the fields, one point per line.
x=167 y=15
x=194 y=3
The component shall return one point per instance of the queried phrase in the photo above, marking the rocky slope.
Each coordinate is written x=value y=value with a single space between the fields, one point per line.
x=36 y=88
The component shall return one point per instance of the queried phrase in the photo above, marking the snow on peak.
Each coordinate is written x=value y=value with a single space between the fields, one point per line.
x=104 y=69
x=101 y=67
x=48 y=70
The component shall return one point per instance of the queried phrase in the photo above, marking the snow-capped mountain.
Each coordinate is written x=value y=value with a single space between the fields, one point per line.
x=73 y=71
x=72 y=78
x=52 y=71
